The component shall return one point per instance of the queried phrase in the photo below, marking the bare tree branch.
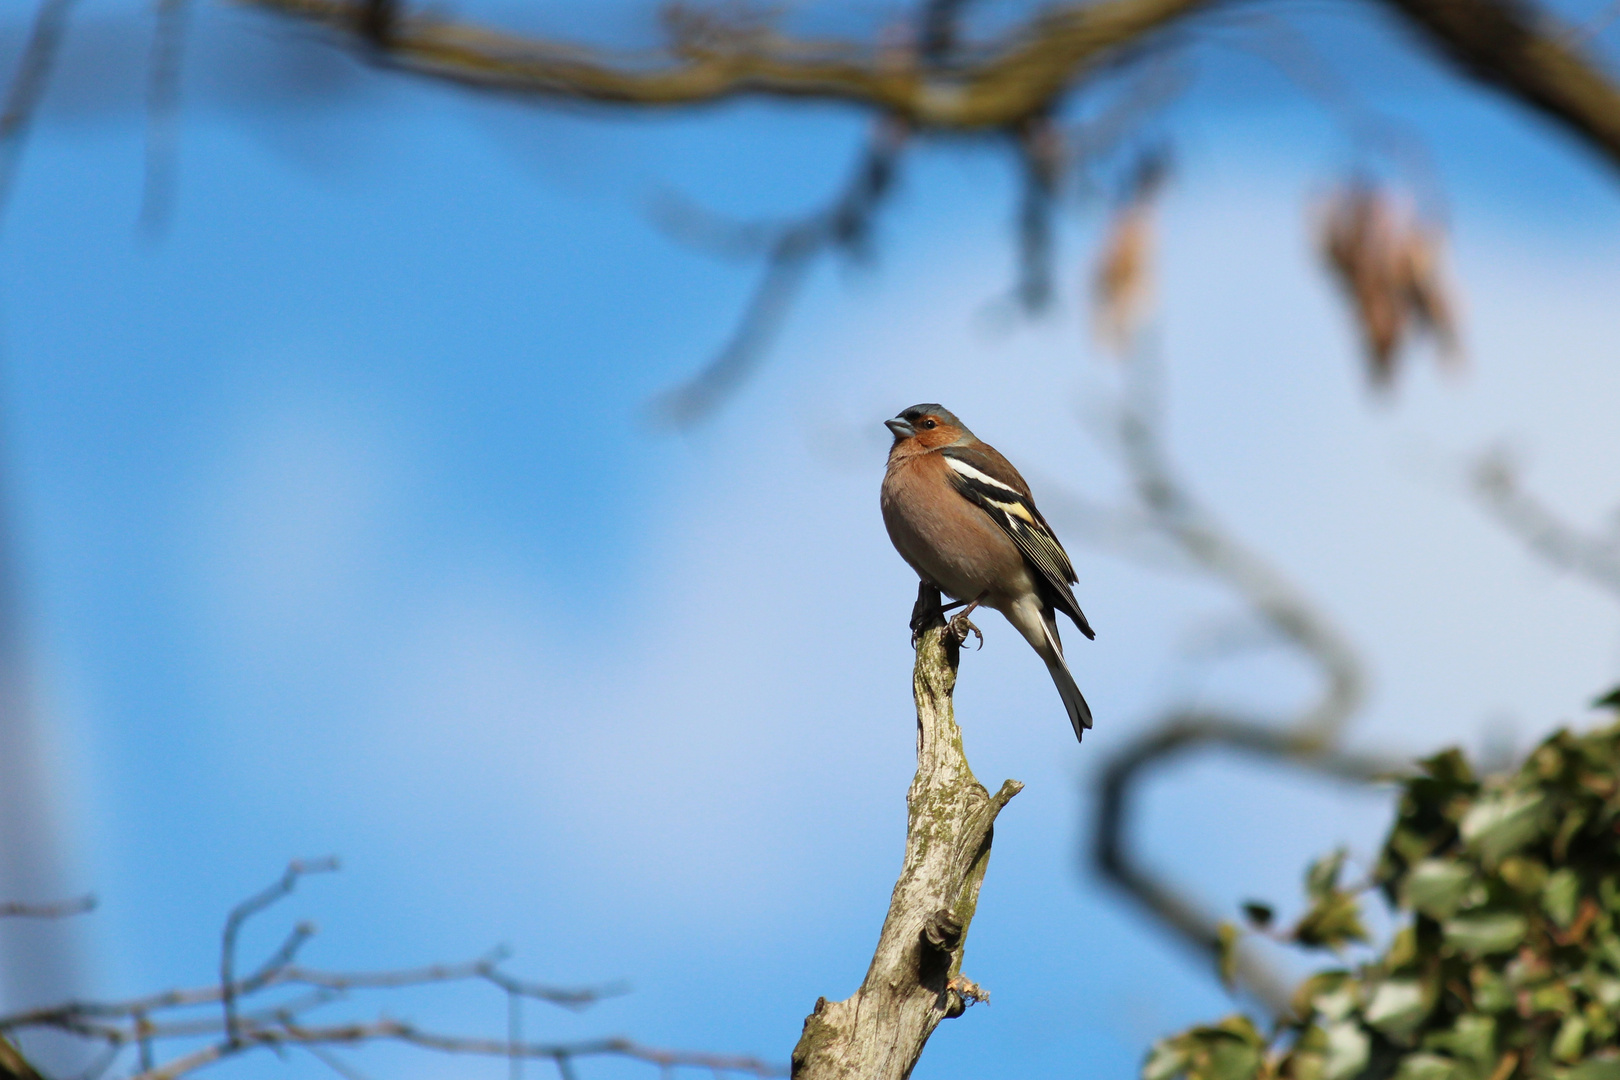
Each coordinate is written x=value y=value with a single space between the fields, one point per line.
x=789 y=251
x=27 y=87
x=1525 y=51
x=1000 y=86
x=13 y=1066
x=291 y=1034
x=1511 y=45
x=1167 y=511
x=333 y=983
x=56 y=910
x=1594 y=557
x=163 y=115
x=245 y=911
x=277 y=1022
x=915 y=979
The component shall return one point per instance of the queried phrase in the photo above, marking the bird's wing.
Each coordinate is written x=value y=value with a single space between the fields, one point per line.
x=990 y=482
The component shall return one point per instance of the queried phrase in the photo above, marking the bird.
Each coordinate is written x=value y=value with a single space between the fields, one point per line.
x=963 y=517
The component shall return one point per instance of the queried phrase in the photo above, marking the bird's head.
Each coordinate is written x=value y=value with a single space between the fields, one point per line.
x=927 y=427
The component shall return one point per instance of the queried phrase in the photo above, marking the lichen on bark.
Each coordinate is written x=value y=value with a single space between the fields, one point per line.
x=879 y=1032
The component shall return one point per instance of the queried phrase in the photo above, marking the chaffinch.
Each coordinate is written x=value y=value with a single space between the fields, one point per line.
x=960 y=514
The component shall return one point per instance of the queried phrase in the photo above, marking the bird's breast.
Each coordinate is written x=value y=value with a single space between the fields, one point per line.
x=947 y=539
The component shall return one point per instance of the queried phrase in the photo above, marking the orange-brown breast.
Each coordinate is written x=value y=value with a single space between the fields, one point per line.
x=946 y=539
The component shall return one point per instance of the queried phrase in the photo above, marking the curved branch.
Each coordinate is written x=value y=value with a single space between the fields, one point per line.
x=1000 y=86
x=1593 y=556
x=1527 y=53
x=789 y=250
x=13 y=1066
x=28 y=87
x=915 y=979
x=1168 y=509
x=1510 y=45
x=1176 y=736
x=275 y=1020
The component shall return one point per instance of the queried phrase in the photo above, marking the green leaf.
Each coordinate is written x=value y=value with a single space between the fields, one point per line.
x=1403 y=949
x=1167 y=1060
x=1334 y=994
x=1230 y=1050
x=1259 y=915
x=1449 y=767
x=1499 y=824
x=1347 y=1049
x=1426 y=1067
x=1571 y=1039
x=1471 y=1039
x=1323 y=876
x=1231 y=1059
x=1333 y=922
x=1481 y=876
x=1611 y=700
x=1573 y=823
x=1559 y=896
x=1604 y=1067
x=1606 y=990
x=1485 y=934
x=1522 y=875
x=1398 y=1006
x=1492 y=994
x=1437 y=887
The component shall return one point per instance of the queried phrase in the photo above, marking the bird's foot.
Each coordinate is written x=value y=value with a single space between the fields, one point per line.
x=961 y=626
x=924 y=611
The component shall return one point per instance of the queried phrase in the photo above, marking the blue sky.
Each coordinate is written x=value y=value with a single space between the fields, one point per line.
x=344 y=530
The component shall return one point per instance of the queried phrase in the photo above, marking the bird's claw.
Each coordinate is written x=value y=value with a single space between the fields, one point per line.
x=960 y=626
x=924 y=611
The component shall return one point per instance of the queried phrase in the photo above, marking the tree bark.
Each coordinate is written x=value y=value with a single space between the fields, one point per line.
x=13 y=1066
x=915 y=980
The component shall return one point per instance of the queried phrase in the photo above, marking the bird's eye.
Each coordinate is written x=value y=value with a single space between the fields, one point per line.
x=929 y=424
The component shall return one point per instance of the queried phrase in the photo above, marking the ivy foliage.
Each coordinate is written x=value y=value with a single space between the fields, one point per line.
x=1506 y=963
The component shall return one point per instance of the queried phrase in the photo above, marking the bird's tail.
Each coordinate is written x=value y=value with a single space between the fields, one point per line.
x=1073 y=700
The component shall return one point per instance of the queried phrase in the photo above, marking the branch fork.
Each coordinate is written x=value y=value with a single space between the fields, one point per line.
x=915 y=979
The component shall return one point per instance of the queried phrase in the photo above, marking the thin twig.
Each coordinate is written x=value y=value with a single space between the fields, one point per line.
x=1307 y=739
x=250 y=1036
x=27 y=87
x=163 y=116
x=229 y=989
x=1594 y=557
x=237 y=1029
x=789 y=254
x=514 y=1032
x=54 y=910
x=1041 y=151
x=333 y=1062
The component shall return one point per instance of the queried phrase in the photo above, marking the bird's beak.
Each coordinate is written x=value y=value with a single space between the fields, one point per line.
x=902 y=428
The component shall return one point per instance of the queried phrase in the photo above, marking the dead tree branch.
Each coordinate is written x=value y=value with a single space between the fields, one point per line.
x=1594 y=557
x=163 y=116
x=1513 y=46
x=1166 y=510
x=55 y=910
x=13 y=1066
x=246 y=1013
x=27 y=87
x=228 y=986
x=995 y=87
x=915 y=978
x=789 y=252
